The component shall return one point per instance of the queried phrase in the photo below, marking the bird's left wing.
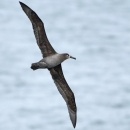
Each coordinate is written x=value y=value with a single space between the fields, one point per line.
x=39 y=31
x=65 y=91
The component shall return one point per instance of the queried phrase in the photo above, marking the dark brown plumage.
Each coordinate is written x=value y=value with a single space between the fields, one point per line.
x=56 y=72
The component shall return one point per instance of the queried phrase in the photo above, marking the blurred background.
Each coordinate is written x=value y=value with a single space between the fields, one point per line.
x=97 y=33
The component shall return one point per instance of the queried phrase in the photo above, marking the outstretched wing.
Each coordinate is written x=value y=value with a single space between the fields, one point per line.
x=65 y=91
x=39 y=31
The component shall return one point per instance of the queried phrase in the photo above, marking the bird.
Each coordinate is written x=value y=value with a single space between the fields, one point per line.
x=52 y=61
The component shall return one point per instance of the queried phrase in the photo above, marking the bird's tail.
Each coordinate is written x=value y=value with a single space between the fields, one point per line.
x=35 y=66
x=38 y=65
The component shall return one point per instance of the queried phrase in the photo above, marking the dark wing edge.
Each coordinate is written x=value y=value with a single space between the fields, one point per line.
x=65 y=91
x=39 y=31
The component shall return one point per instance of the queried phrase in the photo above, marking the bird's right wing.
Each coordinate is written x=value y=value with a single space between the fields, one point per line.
x=39 y=31
x=65 y=91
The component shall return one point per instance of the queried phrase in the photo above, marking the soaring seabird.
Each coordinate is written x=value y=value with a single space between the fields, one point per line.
x=52 y=61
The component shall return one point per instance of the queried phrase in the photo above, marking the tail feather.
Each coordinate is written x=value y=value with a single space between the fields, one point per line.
x=34 y=66
x=38 y=65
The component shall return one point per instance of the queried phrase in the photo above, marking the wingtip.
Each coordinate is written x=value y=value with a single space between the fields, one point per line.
x=21 y=3
x=74 y=122
x=26 y=9
x=73 y=117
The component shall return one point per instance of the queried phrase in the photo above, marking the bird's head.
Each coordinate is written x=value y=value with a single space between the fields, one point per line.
x=67 y=56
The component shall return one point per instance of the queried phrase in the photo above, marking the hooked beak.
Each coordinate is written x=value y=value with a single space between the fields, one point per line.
x=72 y=57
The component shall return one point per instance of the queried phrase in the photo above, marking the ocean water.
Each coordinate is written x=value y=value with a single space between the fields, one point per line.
x=97 y=33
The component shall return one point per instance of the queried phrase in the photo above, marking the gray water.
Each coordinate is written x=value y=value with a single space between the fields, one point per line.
x=97 y=33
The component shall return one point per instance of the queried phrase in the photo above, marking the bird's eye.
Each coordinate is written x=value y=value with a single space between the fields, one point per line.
x=67 y=55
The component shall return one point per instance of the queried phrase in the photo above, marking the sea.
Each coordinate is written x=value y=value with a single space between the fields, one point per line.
x=97 y=33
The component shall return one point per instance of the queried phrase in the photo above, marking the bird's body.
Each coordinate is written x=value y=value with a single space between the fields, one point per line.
x=51 y=61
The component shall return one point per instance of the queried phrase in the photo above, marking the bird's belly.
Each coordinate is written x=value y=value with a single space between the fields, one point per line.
x=52 y=63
